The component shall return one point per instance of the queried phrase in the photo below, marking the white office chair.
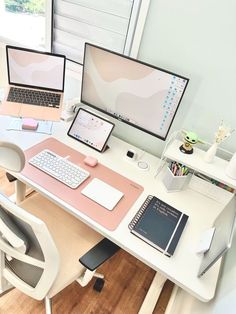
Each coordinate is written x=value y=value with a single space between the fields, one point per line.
x=12 y=158
x=41 y=244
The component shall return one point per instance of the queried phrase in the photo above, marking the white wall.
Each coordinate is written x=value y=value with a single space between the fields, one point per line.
x=196 y=39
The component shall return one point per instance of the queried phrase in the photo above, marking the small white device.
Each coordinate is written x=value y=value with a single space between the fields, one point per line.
x=69 y=111
x=143 y=165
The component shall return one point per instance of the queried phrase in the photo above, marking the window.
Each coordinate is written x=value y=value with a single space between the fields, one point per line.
x=113 y=24
x=26 y=22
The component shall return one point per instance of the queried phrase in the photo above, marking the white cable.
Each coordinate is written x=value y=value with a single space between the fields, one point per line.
x=143 y=152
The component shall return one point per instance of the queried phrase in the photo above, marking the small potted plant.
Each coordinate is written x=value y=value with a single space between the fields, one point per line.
x=221 y=135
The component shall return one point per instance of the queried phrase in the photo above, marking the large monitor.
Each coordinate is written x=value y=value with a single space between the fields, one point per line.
x=137 y=93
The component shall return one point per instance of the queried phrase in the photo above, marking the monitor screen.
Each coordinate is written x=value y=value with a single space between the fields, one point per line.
x=37 y=69
x=140 y=94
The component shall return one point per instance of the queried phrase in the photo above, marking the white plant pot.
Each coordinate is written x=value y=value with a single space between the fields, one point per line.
x=210 y=154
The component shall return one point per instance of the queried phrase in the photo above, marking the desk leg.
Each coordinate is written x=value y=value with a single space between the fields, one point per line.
x=20 y=188
x=153 y=294
x=169 y=308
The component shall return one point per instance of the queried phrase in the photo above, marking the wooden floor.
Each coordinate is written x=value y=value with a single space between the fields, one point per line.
x=126 y=283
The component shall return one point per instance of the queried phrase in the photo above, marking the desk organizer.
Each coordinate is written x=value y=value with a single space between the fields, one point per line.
x=173 y=183
x=108 y=219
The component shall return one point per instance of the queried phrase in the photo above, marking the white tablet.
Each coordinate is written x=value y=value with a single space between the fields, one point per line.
x=222 y=238
x=91 y=129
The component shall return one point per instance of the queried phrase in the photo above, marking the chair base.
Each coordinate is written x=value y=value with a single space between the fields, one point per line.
x=87 y=276
x=98 y=285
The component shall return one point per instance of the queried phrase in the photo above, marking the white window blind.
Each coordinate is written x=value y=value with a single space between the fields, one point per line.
x=107 y=23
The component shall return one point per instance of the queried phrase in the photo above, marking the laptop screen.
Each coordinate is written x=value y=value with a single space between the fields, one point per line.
x=222 y=238
x=30 y=68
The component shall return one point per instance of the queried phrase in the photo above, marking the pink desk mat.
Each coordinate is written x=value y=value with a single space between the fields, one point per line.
x=108 y=219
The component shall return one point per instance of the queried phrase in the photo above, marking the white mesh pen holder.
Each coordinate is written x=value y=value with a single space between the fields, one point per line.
x=173 y=183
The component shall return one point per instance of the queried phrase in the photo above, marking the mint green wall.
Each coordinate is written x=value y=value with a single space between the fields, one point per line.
x=196 y=39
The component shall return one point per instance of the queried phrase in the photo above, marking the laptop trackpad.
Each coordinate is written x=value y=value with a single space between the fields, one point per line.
x=102 y=193
x=31 y=111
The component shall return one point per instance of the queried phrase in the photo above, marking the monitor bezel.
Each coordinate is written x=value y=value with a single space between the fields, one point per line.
x=118 y=117
x=61 y=90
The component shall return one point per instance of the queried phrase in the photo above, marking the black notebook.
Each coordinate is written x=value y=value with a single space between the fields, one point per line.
x=159 y=224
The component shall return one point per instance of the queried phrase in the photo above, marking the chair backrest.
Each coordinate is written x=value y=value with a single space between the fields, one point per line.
x=12 y=157
x=31 y=260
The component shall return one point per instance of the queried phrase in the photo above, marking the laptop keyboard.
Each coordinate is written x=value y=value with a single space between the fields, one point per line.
x=60 y=168
x=34 y=97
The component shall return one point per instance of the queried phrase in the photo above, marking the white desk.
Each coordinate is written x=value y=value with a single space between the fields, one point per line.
x=183 y=266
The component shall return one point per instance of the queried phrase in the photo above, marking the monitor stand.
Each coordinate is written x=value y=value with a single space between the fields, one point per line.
x=106 y=148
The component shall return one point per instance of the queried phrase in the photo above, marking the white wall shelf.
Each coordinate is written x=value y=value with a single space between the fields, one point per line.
x=195 y=161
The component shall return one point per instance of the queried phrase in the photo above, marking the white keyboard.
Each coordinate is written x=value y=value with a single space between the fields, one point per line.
x=59 y=168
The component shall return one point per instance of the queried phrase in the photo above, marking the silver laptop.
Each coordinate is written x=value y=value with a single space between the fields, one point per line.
x=36 y=84
x=224 y=229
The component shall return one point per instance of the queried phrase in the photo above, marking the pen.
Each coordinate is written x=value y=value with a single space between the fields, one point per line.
x=178 y=169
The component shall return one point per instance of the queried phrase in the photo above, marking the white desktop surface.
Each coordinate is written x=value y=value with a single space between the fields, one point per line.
x=183 y=266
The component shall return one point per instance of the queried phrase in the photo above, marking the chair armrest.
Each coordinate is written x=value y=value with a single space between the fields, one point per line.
x=99 y=254
x=10 y=177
